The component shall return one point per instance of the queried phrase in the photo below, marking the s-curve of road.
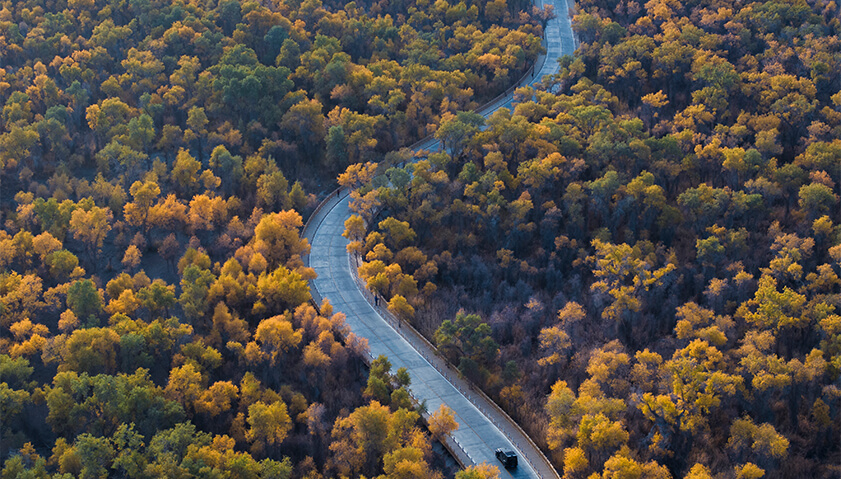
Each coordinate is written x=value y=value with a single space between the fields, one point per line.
x=482 y=427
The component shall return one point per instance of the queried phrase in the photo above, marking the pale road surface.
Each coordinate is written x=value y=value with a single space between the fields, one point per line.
x=482 y=426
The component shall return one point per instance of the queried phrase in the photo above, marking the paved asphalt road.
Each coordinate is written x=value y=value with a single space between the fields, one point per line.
x=482 y=426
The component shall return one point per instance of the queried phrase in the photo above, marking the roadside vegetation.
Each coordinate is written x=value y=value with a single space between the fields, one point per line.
x=641 y=261
x=157 y=159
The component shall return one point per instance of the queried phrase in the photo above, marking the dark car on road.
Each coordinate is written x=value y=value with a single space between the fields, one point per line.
x=507 y=458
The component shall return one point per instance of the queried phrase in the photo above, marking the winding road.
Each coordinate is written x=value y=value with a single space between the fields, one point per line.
x=483 y=427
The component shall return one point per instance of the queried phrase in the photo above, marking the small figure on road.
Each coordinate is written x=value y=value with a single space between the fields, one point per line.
x=376 y=300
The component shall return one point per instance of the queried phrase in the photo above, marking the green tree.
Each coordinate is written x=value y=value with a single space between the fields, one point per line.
x=456 y=130
x=95 y=454
x=228 y=167
x=305 y=123
x=336 y=154
x=141 y=132
x=100 y=404
x=379 y=380
x=158 y=297
x=195 y=284
x=469 y=338
x=128 y=446
x=12 y=403
x=816 y=199
x=84 y=300
x=273 y=191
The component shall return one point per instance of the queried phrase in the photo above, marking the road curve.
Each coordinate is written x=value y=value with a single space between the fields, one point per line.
x=483 y=427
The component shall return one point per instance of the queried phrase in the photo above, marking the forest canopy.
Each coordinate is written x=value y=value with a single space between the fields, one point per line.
x=157 y=162
x=640 y=261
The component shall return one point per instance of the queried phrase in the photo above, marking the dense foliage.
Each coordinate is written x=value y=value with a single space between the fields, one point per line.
x=155 y=318
x=311 y=84
x=651 y=242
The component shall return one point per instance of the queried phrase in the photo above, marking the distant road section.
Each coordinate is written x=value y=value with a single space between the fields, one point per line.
x=483 y=427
